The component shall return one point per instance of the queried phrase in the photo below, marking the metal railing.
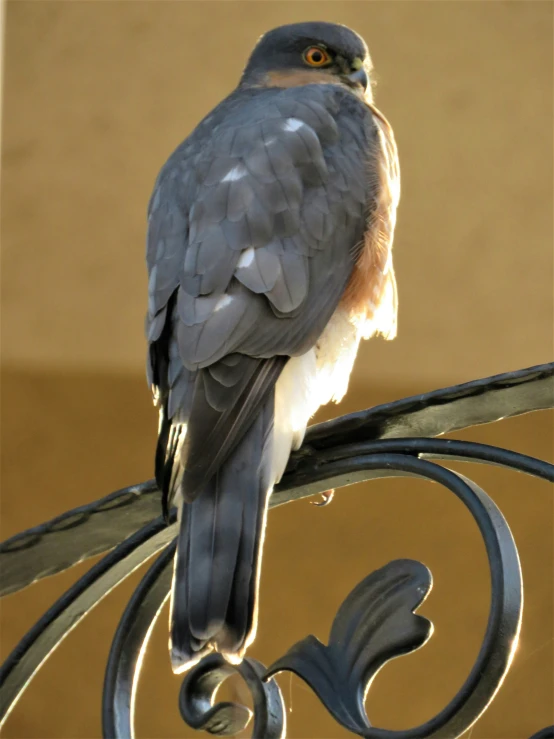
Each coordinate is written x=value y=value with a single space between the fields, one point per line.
x=376 y=622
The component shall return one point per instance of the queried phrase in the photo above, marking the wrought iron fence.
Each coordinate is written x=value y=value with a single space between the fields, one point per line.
x=376 y=622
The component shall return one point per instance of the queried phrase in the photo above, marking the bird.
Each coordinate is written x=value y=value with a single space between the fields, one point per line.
x=269 y=258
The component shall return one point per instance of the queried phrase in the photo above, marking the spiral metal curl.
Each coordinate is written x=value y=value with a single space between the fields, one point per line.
x=199 y=686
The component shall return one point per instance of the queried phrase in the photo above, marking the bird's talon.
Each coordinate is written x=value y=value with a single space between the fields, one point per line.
x=327 y=497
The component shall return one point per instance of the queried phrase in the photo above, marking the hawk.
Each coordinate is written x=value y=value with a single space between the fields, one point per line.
x=269 y=258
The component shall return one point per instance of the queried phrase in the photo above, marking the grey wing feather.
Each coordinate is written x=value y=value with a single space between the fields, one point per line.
x=254 y=219
x=222 y=417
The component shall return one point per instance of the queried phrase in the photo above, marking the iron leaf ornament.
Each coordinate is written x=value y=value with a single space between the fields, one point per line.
x=375 y=623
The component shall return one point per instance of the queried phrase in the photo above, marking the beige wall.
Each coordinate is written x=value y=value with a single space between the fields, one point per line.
x=96 y=95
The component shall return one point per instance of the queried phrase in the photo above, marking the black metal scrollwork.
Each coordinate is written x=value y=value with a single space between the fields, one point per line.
x=354 y=659
x=376 y=621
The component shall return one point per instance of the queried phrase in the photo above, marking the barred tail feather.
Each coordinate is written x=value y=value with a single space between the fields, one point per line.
x=217 y=566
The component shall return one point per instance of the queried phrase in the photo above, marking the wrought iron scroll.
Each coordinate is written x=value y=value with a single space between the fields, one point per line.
x=375 y=623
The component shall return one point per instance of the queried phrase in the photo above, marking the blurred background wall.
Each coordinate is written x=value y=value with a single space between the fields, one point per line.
x=95 y=96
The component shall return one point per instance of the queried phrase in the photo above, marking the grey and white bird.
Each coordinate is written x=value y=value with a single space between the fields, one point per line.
x=269 y=258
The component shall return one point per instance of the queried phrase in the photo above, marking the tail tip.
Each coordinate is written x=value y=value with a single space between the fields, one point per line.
x=182 y=661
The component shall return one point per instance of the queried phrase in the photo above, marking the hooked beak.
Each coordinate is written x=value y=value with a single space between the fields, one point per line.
x=359 y=77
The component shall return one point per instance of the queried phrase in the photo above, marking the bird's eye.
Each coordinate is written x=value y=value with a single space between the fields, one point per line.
x=315 y=56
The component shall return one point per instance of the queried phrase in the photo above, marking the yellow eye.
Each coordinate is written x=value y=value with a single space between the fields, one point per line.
x=315 y=56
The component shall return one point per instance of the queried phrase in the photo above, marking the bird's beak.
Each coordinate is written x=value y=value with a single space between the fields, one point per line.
x=359 y=77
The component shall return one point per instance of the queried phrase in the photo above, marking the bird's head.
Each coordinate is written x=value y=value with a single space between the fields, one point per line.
x=305 y=53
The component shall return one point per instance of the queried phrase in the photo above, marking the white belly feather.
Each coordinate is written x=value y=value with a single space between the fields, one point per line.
x=312 y=380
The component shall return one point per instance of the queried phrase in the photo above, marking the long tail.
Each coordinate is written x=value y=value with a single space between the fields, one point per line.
x=217 y=567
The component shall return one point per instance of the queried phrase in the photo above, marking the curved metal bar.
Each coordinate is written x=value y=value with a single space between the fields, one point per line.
x=504 y=621
x=446 y=449
x=39 y=643
x=88 y=530
x=129 y=646
x=78 y=534
x=199 y=688
x=441 y=411
x=546 y=733
x=310 y=476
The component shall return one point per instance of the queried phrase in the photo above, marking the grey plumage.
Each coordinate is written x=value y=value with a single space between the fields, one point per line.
x=255 y=224
x=316 y=209
x=218 y=571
